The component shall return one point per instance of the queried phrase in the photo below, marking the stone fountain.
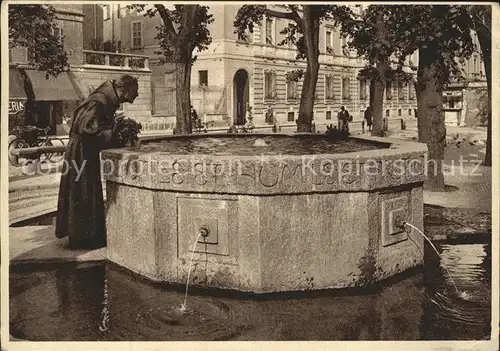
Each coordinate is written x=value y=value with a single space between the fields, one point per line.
x=270 y=222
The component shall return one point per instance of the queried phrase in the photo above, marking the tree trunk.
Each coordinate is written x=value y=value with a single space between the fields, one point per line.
x=380 y=81
x=378 y=99
x=484 y=37
x=372 y=91
x=306 y=108
x=184 y=56
x=310 y=26
x=183 y=99
x=431 y=127
x=487 y=156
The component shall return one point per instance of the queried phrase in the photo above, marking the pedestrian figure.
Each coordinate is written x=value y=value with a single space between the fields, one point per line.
x=80 y=213
x=249 y=126
x=269 y=115
x=368 y=117
x=194 y=114
x=276 y=124
x=196 y=123
x=343 y=118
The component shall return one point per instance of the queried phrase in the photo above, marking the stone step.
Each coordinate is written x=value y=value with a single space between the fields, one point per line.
x=22 y=209
x=31 y=194
x=30 y=211
x=25 y=204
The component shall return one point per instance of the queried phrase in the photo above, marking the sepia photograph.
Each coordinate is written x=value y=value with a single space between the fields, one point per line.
x=225 y=175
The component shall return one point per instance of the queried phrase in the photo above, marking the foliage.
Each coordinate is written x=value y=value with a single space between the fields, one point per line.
x=392 y=75
x=98 y=44
x=443 y=28
x=442 y=36
x=481 y=16
x=126 y=130
x=249 y=16
x=364 y=38
x=30 y=133
x=295 y=75
x=111 y=46
x=198 y=124
x=33 y=27
x=373 y=38
x=334 y=133
x=483 y=106
x=184 y=29
x=409 y=28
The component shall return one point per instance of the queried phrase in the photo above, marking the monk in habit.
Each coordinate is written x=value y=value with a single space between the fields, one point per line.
x=80 y=213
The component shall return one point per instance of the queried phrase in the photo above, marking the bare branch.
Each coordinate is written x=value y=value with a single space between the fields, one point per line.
x=167 y=19
x=292 y=16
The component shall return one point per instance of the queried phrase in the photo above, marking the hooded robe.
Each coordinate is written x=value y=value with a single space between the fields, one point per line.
x=80 y=213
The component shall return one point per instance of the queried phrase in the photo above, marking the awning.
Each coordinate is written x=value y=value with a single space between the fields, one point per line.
x=52 y=89
x=16 y=85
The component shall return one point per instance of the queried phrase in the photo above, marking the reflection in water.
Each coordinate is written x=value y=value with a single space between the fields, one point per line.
x=63 y=304
x=103 y=326
x=446 y=315
x=437 y=253
x=103 y=303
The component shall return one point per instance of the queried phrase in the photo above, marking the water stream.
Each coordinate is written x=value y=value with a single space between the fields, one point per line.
x=459 y=293
x=184 y=304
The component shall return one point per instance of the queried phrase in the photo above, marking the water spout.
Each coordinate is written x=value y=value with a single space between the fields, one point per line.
x=203 y=232
x=403 y=224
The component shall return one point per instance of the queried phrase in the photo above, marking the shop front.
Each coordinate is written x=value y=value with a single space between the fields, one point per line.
x=17 y=99
x=453 y=106
x=52 y=99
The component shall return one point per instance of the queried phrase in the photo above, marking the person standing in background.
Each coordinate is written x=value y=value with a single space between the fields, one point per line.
x=368 y=118
x=343 y=118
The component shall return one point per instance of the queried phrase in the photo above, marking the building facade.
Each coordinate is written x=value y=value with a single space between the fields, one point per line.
x=257 y=72
x=92 y=24
x=466 y=101
x=233 y=74
x=47 y=101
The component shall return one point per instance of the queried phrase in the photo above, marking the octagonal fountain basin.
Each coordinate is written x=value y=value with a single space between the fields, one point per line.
x=277 y=212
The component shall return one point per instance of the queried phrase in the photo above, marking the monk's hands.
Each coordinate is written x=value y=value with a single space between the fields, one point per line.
x=107 y=134
x=119 y=115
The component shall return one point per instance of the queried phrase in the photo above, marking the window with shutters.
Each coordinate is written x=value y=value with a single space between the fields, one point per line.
x=137 y=35
x=329 y=83
x=346 y=90
x=269 y=84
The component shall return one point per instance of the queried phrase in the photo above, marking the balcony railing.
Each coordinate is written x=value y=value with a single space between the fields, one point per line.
x=115 y=59
x=476 y=77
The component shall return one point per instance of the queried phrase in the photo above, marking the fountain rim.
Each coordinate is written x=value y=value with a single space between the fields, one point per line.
x=260 y=177
x=394 y=146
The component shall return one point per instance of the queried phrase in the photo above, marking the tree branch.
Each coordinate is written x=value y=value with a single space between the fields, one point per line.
x=292 y=16
x=167 y=19
x=188 y=26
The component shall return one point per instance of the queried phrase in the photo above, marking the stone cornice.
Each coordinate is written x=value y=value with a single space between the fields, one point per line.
x=266 y=175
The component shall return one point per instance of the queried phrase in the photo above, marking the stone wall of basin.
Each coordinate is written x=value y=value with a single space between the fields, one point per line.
x=298 y=234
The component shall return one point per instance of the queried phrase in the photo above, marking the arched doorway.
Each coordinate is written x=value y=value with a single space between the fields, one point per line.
x=241 y=96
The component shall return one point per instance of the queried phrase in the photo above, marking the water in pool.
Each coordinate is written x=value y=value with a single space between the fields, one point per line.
x=249 y=145
x=103 y=302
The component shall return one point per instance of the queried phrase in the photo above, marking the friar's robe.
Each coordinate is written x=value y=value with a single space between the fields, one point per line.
x=80 y=213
